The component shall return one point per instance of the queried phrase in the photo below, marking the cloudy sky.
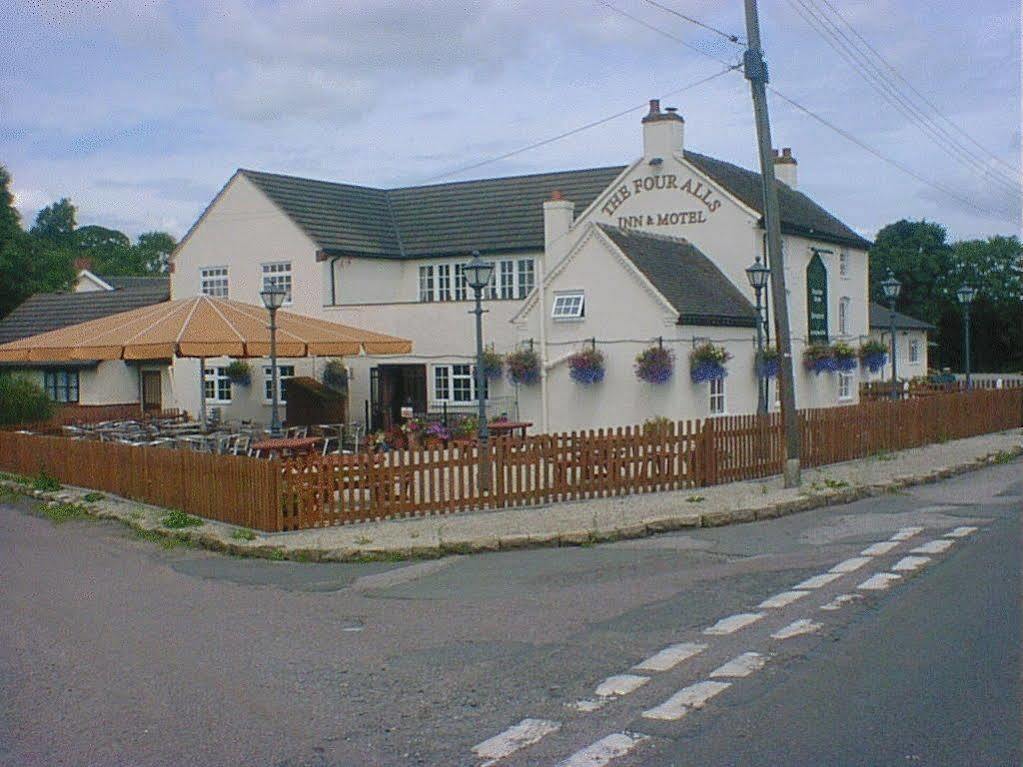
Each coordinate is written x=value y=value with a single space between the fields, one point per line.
x=140 y=110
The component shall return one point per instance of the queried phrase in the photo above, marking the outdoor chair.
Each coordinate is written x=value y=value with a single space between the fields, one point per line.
x=241 y=444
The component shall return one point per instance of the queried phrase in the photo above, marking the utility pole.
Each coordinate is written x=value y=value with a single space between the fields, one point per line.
x=756 y=72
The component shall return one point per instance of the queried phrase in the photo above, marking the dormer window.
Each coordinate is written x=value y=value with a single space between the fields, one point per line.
x=569 y=306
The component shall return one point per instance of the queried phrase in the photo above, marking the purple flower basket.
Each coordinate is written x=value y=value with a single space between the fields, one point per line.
x=655 y=365
x=523 y=367
x=493 y=365
x=823 y=365
x=875 y=361
x=845 y=364
x=587 y=367
x=707 y=371
x=769 y=367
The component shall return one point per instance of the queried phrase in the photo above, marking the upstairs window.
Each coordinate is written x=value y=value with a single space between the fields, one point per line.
x=461 y=286
x=443 y=282
x=507 y=279
x=426 y=283
x=843 y=316
x=61 y=385
x=213 y=281
x=843 y=263
x=569 y=306
x=526 y=277
x=278 y=275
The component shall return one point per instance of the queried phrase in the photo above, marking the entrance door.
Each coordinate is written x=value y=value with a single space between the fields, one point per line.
x=152 y=396
x=396 y=386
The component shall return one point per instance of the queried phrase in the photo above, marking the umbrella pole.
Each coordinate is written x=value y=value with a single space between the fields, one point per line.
x=202 y=392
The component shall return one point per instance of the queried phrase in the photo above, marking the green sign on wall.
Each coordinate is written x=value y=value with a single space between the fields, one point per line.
x=817 y=300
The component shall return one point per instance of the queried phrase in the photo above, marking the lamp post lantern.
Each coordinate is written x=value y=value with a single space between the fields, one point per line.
x=966 y=294
x=273 y=297
x=758 y=274
x=477 y=276
x=892 y=287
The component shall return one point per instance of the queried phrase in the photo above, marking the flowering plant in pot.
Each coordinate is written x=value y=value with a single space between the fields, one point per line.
x=819 y=358
x=466 y=428
x=769 y=362
x=873 y=354
x=493 y=365
x=587 y=366
x=844 y=355
x=239 y=372
x=655 y=365
x=437 y=434
x=335 y=375
x=523 y=367
x=707 y=362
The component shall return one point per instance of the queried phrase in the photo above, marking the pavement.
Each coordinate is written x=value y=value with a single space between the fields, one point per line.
x=788 y=641
x=576 y=523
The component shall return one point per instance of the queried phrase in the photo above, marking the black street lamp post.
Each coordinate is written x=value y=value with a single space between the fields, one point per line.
x=273 y=297
x=758 y=275
x=477 y=276
x=892 y=287
x=966 y=294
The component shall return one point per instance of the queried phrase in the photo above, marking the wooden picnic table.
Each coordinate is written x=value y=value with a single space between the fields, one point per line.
x=502 y=428
x=293 y=445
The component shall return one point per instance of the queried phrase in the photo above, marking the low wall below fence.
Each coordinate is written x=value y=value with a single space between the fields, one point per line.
x=319 y=491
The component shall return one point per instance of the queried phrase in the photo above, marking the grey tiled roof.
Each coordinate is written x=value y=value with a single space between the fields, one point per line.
x=689 y=281
x=50 y=311
x=491 y=215
x=132 y=281
x=880 y=319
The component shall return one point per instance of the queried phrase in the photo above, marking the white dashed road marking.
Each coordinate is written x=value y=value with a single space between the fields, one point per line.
x=961 y=532
x=670 y=657
x=586 y=706
x=840 y=600
x=623 y=684
x=733 y=623
x=937 y=546
x=908 y=564
x=741 y=666
x=879 y=582
x=692 y=697
x=782 y=599
x=604 y=750
x=525 y=733
x=818 y=580
x=879 y=548
x=797 y=628
x=906 y=533
x=850 y=565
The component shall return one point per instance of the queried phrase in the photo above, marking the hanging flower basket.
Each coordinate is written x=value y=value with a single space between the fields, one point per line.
x=769 y=363
x=493 y=365
x=655 y=365
x=586 y=367
x=707 y=362
x=335 y=376
x=874 y=355
x=523 y=367
x=239 y=372
x=819 y=358
x=845 y=357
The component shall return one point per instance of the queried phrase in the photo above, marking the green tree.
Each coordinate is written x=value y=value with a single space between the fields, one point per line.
x=155 y=249
x=919 y=256
x=108 y=251
x=56 y=223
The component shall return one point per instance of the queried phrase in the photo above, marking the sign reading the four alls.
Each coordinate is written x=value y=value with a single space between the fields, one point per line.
x=817 y=300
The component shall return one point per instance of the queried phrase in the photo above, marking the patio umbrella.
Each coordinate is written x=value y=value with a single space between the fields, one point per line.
x=199 y=327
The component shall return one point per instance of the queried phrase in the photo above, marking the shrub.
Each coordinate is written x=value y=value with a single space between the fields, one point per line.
x=586 y=367
x=493 y=365
x=22 y=401
x=335 y=376
x=659 y=425
x=45 y=483
x=707 y=362
x=64 y=512
x=655 y=365
x=239 y=372
x=523 y=367
x=178 y=519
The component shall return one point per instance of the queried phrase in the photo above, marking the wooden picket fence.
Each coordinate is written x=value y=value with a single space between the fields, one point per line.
x=319 y=491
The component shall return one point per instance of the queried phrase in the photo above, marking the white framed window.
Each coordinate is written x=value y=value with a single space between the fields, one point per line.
x=217 y=385
x=443 y=282
x=284 y=372
x=426 y=283
x=914 y=350
x=491 y=291
x=455 y=384
x=213 y=281
x=845 y=386
x=507 y=279
x=278 y=274
x=717 y=396
x=843 y=316
x=843 y=263
x=569 y=306
x=526 y=274
x=461 y=285
x=61 y=385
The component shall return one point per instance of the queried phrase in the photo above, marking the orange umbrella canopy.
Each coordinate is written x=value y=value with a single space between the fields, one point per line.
x=200 y=326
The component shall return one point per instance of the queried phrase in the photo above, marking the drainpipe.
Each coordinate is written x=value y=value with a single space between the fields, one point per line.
x=333 y=284
x=541 y=292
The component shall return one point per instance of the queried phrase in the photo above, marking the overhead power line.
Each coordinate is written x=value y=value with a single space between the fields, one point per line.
x=731 y=38
x=663 y=33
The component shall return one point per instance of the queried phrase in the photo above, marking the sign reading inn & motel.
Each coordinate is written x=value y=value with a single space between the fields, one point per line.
x=691 y=187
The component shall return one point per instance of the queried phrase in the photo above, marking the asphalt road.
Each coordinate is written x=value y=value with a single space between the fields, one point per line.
x=115 y=651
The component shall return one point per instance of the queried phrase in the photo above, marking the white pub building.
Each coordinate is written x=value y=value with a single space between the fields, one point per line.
x=615 y=259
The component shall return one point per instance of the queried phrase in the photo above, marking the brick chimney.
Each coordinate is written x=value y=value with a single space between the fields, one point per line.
x=662 y=132
x=785 y=166
x=558 y=214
